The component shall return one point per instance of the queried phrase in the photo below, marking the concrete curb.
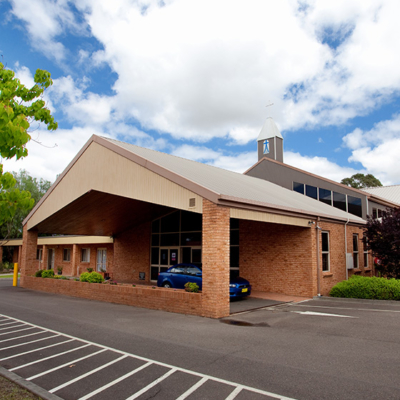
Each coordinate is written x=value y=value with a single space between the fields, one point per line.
x=31 y=387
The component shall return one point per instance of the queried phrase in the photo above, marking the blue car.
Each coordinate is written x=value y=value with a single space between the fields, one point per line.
x=177 y=276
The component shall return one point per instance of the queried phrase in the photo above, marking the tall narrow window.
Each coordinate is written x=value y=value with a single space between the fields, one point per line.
x=355 y=250
x=85 y=255
x=39 y=254
x=298 y=187
x=325 y=251
x=67 y=255
x=266 y=147
x=365 y=252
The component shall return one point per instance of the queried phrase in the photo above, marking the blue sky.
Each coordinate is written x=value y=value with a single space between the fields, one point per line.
x=193 y=77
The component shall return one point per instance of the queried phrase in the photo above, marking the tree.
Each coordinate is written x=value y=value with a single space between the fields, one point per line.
x=383 y=239
x=359 y=181
x=12 y=228
x=19 y=108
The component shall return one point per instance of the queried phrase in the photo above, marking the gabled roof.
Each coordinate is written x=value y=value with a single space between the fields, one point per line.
x=390 y=193
x=215 y=184
x=231 y=186
x=269 y=130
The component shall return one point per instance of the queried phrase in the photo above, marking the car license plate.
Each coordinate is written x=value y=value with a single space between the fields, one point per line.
x=244 y=290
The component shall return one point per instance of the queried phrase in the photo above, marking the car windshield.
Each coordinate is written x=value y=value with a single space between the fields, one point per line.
x=192 y=270
x=178 y=270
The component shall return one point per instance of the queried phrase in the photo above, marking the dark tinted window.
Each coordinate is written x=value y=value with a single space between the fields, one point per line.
x=191 y=239
x=234 y=238
x=298 y=187
x=354 y=204
x=196 y=256
x=155 y=226
x=234 y=223
x=155 y=240
x=155 y=255
x=191 y=221
x=325 y=241
x=339 y=201
x=325 y=196
x=186 y=254
x=170 y=223
x=170 y=239
x=311 y=191
x=154 y=273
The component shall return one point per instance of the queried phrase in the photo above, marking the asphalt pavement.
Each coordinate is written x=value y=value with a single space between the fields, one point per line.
x=318 y=349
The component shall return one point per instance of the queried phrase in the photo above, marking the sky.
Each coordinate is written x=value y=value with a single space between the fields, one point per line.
x=194 y=78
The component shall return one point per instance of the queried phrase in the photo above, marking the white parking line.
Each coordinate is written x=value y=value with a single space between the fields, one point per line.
x=24 y=344
x=19 y=330
x=64 y=365
x=87 y=374
x=121 y=378
x=349 y=308
x=192 y=389
x=152 y=384
x=234 y=393
x=21 y=337
x=32 y=351
x=49 y=358
x=148 y=362
x=11 y=327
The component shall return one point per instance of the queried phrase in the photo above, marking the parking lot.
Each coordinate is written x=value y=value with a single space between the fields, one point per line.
x=74 y=368
x=314 y=350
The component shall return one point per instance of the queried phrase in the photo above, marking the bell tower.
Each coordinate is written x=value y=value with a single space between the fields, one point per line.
x=270 y=141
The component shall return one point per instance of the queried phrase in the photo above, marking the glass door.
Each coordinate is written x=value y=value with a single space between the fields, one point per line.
x=50 y=259
x=162 y=259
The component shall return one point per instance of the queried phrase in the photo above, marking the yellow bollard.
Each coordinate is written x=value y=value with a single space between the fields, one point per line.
x=15 y=279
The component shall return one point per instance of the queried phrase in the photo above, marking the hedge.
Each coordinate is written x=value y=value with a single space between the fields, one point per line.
x=92 y=277
x=362 y=287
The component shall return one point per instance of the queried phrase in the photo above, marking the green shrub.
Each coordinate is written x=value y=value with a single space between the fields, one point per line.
x=60 y=277
x=38 y=273
x=191 y=287
x=48 y=273
x=89 y=270
x=91 y=277
x=362 y=287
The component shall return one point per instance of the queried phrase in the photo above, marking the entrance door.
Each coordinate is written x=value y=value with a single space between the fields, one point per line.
x=167 y=257
x=101 y=265
x=50 y=259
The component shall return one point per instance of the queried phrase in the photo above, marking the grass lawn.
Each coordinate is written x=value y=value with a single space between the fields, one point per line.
x=11 y=391
x=7 y=276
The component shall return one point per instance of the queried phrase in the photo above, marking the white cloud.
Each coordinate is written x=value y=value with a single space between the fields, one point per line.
x=377 y=149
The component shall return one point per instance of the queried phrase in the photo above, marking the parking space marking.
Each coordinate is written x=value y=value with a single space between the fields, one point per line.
x=49 y=357
x=10 y=327
x=192 y=389
x=121 y=378
x=349 y=308
x=19 y=330
x=87 y=374
x=32 y=351
x=24 y=344
x=64 y=365
x=319 y=314
x=152 y=384
x=236 y=387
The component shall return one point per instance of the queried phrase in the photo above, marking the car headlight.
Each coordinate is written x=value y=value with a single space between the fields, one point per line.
x=232 y=285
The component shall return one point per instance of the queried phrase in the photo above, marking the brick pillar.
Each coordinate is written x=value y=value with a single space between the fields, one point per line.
x=1 y=254
x=215 y=258
x=74 y=260
x=45 y=256
x=28 y=256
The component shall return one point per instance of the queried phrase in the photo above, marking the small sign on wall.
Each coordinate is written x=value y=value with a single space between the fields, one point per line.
x=142 y=276
x=173 y=257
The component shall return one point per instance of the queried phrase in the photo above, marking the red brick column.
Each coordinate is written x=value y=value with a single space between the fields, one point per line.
x=74 y=260
x=29 y=263
x=215 y=258
x=45 y=255
x=1 y=254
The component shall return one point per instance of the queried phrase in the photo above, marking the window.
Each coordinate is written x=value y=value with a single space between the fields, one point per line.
x=380 y=213
x=354 y=205
x=339 y=201
x=67 y=255
x=325 y=196
x=39 y=254
x=355 y=250
x=365 y=252
x=312 y=191
x=325 y=251
x=298 y=187
x=374 y=213
x=85 y=255
x=266 y=147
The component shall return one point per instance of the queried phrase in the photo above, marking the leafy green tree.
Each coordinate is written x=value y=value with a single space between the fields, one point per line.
x=19 y=108
x=12 y=228
x=383 y=239
x=359 y=181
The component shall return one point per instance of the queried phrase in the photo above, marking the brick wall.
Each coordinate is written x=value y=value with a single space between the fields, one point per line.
x=215 y=259
x=29 y=263
x=278 y=258
x=158 y=299
x=132 y=254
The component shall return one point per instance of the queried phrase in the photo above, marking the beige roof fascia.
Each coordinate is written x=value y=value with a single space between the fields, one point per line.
x=60 y=240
